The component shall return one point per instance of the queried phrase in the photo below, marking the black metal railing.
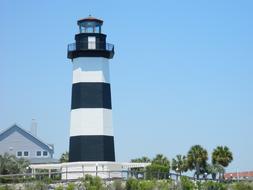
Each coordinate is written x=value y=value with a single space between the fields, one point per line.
x=90 y=46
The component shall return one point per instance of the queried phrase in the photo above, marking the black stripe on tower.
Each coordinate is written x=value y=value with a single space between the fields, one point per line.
x=91 y=148
x=91 y=95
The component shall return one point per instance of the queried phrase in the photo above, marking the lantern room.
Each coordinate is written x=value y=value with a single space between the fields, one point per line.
x=90 y=41
x=90 y=25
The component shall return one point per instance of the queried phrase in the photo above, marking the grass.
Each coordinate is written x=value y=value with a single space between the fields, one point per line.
x=96 y=183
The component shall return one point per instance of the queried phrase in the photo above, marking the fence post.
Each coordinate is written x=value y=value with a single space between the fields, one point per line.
x=49 y=173
x=33 y=173
x=61 y=172
x=66 y=173
x=83 y=170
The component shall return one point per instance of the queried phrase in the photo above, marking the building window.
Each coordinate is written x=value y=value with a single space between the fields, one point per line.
x=26 y=153
x=38 y=153
x=44 y=153
x=19 y=154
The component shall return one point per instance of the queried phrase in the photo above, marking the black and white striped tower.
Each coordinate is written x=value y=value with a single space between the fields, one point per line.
x=91 y=134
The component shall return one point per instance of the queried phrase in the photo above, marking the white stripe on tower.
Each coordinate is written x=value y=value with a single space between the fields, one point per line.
x=91 y=121
x=91 y=69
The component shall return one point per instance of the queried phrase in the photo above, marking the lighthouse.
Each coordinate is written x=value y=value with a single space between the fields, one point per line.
x=91 y=133
x=91 y=143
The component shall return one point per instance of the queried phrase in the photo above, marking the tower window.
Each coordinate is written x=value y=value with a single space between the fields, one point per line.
x=91 y=42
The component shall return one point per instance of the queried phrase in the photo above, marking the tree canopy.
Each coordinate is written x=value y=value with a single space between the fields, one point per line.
x=143 y=159
x=197 y=159
x=222 y=155
x=64 y=157
x=9 y=164
x=159 y=168
x=179 y=164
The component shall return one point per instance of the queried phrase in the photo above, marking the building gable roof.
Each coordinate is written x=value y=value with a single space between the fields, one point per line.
x=15 y=128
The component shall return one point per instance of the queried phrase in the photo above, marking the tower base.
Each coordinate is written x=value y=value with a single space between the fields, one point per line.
x=76 y=170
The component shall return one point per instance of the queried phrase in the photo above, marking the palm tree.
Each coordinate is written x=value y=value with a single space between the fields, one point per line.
x=159 y=168
x=161 y=160
x=214 y=169
x=222 y=156
x=137 y=171
x=197 y=159
x=179 y=164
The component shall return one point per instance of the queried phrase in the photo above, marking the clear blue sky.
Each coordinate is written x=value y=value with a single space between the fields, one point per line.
x=182 y=73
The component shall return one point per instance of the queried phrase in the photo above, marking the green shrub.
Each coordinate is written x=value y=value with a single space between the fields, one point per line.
x=12 y=165
x=71 y=186
x=156 y=171
x=47 y=180
x=242 y=186
x=29 y=186
x=60 y=187
x=117 y=185
x=28 y=179
x=7 y=187
x=56 y=177
x=132 y=184
x=40 y=185
x=211 y=185
x=5 y=180
x=186 y=183
x=164 y=184
x=93 y=183
x=146 y=185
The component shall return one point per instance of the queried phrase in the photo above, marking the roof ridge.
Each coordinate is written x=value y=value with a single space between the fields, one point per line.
x=28 y=132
